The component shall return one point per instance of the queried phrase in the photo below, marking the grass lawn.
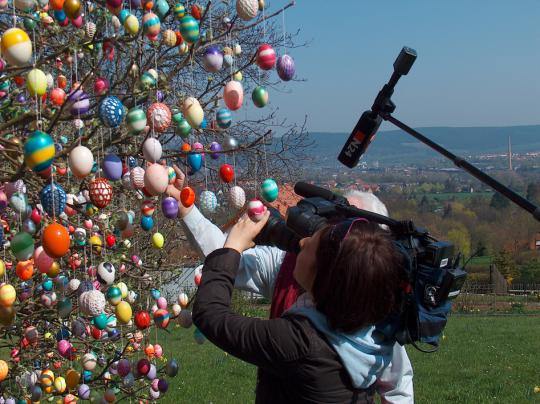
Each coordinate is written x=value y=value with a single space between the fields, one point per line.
x=481 y=360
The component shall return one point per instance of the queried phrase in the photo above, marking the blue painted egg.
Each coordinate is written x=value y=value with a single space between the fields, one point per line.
x=269 y=190
x=111 y=111
x=112 y=167
x=53 y=199
x=195 y=161
x=147 y=223
x=224 y=118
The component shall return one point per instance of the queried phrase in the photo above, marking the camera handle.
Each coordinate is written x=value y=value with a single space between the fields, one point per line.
x=468 y=167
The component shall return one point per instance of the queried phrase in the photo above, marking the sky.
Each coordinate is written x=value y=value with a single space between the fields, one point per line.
x=478 y=61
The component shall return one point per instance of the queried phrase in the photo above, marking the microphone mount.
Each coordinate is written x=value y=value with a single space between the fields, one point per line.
x=382 y=109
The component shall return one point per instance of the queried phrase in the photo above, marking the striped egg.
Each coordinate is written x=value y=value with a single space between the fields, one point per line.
x=184 y=128
x=81 y=103
x=213 y=59
x=224 y=118
x=266 y=57
x=269 y=190
x=256 y=209
x=259 y=96
x=36 y=82
x=158 y=117
x=16 y=47
x=149 y=79
x=189 y=28
x=179 y=10
x=151 y=25
x=208 y=202
x=136 y=120
x=111 y=111
x=247 y=9
x=285 y=67
x=183 y=48
x=39 y=151
x=131 y=24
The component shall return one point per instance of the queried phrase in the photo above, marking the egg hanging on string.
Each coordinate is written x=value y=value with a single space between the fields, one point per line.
x=151 y=26
x=36 y=82
x=193 y=112
x=152 y=149
x=233 y=95
x=131 y=24
x=224 y=118
x=195 y=161
x=158 y=117
x=136 y=120
x=215 y=148
x=112 y=167
x=156 y=179
x=189 y=27
x=285 y=67
x=55 y=240
x=158 y=241
x=16 y=47
x=39 y=151
x=212 y=59
x=53 y=199
x=269 y=190
x=266 y=57
x=111 y=111
x=179 y=10
x=208 y=201
x=169 y=207
x=237 y=197
x=259 y=97
x=101 y=192
x=187 y=196
x=81 y=161
x=247 y=9
x=226 y=173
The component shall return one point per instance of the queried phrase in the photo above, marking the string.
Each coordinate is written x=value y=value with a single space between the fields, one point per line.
x=284 y=45
x=265 y=157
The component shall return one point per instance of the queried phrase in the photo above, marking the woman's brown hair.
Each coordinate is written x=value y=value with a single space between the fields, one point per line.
x=358 y=277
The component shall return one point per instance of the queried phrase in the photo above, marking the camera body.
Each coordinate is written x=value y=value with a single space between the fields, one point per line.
x=434 y=277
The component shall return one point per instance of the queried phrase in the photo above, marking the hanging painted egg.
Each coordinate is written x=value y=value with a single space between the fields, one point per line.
x=158 y=240
x=36 y=82
x=111 y=111
x=231 y=143
x=149 y=79
x=156 y=179
x=233 y=95
x=266 y=57
x=208 y=201
x=101 y=192
x=161 y=318
x=237 y=197
x=92 y=303
x=152 y=149
x=169 y=206
x=24 y=270
x=247 y=9
x=158 y=117
x=42 y=260
x=81 y=161
x=285 y=67
x=53 y=199
x=137 y=177
x=112 y=167
x=256 y=210
x=212 y=59
x=189 y=28
x=226 y=173
x=123 y=312
x=183 y=48
x=105 y=273
x=259 y=96
x=72 y=8
x=101 y=86
x=22 y=246
x=169 y=38
x=187 y=197
x=16 y=47
x=224 y=118
x=215 y=148
x=179 y=10
x=162 y=8
x=151 y=25
x=269 y=190
x=55 y=240
x=172 y=175
x=193 y=112
x=136 y=120
x=58 y=96
x=7 y=295
x=131 y=24
x=195 y=161
x=39 y=151
x=80 y=103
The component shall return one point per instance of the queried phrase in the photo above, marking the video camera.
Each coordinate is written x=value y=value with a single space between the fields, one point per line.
x=433 y=274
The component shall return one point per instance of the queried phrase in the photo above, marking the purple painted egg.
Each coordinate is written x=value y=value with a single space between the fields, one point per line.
x=80 y=103
x=169 y=206
x=285 y=67
x=215 y=147
x=123 y=367
x=213 y=59
x=112 y=167
x=159 y=96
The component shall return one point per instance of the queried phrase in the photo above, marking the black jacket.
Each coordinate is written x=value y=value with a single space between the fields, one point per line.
x=296 y=363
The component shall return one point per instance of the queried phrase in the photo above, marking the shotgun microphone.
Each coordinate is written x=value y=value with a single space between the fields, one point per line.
x=360 y=138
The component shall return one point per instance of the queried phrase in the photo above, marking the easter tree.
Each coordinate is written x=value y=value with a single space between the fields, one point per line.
x=99 y=99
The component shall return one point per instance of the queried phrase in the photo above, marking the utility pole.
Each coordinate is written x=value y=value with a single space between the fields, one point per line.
x=509 y=153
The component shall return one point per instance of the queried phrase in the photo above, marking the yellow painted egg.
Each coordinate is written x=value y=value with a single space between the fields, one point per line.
x=7 y=295
x=47 y=378
x=123 y=312
x=131 y=24
x=60 y=384
x=36 y=82
x=2 y=268
x=238 y=76
x=4 y=370
x=72 y=378
x=193 y=112
x=16 y=47
x=158 y=240
x=54 y=270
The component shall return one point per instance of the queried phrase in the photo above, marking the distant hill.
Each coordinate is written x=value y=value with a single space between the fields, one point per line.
x=397 y=145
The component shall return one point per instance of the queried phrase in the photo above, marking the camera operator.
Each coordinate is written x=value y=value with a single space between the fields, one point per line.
x=269 y=271
x=326 y=348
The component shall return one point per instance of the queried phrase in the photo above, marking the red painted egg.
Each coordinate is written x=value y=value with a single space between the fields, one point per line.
x=142 y=320
x=187 y=196
x=226 y=172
